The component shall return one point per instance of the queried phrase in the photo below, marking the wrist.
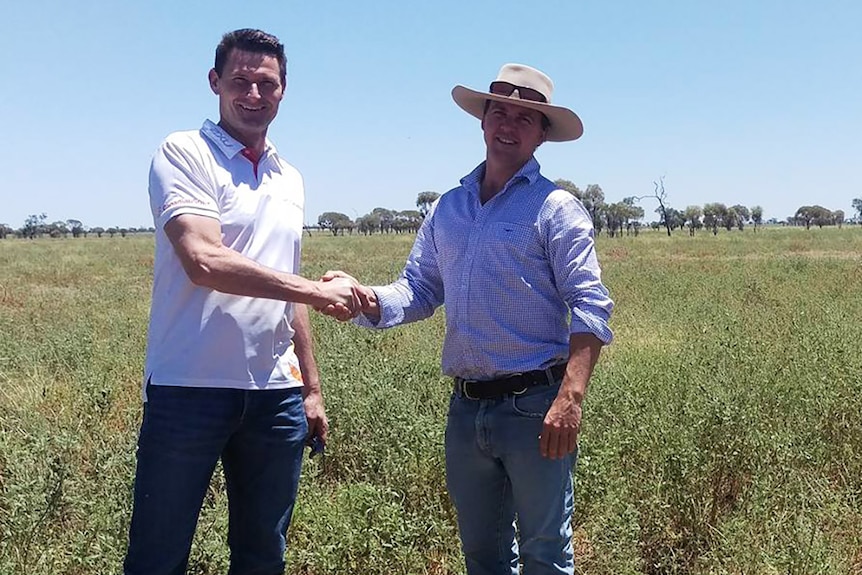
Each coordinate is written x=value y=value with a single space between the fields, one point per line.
x=572 y=393
x=312 y=391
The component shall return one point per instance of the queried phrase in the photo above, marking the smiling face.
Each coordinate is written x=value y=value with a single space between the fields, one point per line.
x=249 y=91
x=512 y=133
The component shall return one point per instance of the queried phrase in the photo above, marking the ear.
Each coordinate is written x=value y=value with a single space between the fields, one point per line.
x=544 y=137
x=214 y=80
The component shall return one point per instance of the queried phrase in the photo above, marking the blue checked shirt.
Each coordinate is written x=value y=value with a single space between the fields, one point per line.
x=509 y=272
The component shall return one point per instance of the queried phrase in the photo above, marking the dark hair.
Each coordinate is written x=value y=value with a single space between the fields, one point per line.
x=546 y=123
x=251 y=40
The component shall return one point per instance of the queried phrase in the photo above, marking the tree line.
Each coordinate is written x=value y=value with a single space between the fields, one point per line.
x=379 y=220
x=625 y=216
x=37 y=226
x=615 y=219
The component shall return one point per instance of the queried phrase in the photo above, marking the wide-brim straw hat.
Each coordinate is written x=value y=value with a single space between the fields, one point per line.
x=565 y=124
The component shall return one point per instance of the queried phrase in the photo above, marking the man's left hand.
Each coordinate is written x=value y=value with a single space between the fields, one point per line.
x=561 y=427
x=318 y=425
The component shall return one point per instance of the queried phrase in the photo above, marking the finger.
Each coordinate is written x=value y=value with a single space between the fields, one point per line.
x=323 y=429
x=314 y=428
x=573 y=441
x=327 y=310
x=333 y=274
x=544 y=440
x=367 y=298
x=553 y=443
x=563 y=436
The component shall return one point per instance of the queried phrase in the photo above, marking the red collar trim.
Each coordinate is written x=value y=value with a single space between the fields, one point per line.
x=252 y=157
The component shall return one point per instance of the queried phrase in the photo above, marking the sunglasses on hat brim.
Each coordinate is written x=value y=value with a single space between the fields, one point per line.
x=501 y=88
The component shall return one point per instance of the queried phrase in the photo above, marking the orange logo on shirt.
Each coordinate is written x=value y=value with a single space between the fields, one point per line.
x=294 y=371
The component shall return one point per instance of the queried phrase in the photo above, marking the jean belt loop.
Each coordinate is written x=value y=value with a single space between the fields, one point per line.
x=549 y=373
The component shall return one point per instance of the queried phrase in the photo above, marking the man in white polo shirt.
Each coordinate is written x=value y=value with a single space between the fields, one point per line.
x=230 y=372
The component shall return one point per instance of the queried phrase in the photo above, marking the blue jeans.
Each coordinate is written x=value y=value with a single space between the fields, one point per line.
x=494 y=472
x=259 y=436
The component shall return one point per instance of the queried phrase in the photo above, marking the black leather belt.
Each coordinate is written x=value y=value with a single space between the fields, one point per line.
x=510 y=385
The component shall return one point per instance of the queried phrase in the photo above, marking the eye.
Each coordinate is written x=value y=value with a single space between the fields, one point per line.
x=240 y=82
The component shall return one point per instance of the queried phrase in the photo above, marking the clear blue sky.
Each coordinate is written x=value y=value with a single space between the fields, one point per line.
x=738 y=101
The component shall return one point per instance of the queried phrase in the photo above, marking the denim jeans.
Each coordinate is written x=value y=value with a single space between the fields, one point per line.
x=259 y=436
x=495 y=472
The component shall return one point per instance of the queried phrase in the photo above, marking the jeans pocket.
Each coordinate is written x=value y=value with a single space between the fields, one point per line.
x=536 y=404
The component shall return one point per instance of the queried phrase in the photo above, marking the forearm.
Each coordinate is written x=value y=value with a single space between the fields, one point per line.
x=304 y=349
x=225 y=270
x=584 y=350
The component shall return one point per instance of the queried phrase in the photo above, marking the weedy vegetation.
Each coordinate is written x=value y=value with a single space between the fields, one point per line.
x=722 y=430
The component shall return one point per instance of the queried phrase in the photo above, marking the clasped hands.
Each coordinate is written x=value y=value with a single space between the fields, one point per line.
x=346 y=298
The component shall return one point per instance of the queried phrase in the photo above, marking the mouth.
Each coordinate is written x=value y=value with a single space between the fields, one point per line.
x=506 y=141
x=248 y=108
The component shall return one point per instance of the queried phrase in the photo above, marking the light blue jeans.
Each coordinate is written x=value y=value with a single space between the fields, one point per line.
x=259 y=436
x=495 y=473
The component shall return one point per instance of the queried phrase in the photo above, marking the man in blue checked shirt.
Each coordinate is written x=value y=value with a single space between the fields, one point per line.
x=513 y=259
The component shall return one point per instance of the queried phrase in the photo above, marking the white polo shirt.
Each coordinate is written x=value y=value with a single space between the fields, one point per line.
x=199 y=337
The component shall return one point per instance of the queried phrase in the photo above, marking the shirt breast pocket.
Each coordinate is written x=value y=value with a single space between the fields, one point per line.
x=514 y=243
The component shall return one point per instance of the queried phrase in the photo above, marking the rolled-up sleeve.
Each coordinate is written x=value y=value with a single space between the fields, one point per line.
x=570 y=243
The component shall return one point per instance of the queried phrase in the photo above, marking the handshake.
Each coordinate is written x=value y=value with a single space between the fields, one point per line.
x=344 y=298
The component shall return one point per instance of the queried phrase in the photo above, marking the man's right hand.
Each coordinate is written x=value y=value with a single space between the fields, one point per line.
x=339 y=293
x=366 y=299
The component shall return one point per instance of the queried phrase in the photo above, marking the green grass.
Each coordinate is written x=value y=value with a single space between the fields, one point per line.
x=722 y=430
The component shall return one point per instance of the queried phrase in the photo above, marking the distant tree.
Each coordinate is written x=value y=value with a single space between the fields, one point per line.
x=334 y=222
x=713 y=216
x=387 y=218
x=593 y=199
x=742 y=216
x=675 y=218
x=661 y=196
x=620 y=216
x=756 y=216
x=98 y=230
x=34 y=225
x=368 y=224
x=838 y=218
x=692 y=215
x=76 y=227
x=614 y=216
x=857 y=205
x=728 y=220
x=424 y=201
x=817 y=215
x=5 y=231
x=58 y=229
x=408 y=221
x=112 y=231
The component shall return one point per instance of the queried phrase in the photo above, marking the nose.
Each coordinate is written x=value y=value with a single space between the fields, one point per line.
x=254 y=90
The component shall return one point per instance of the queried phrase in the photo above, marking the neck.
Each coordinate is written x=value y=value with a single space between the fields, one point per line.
x=255 y=141
x=495 y=178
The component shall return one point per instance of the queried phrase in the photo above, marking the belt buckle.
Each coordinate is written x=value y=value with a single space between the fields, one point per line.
x=526 y=387
x=464 y=391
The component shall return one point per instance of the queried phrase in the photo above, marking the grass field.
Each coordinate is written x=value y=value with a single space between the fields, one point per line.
x=722 y=431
